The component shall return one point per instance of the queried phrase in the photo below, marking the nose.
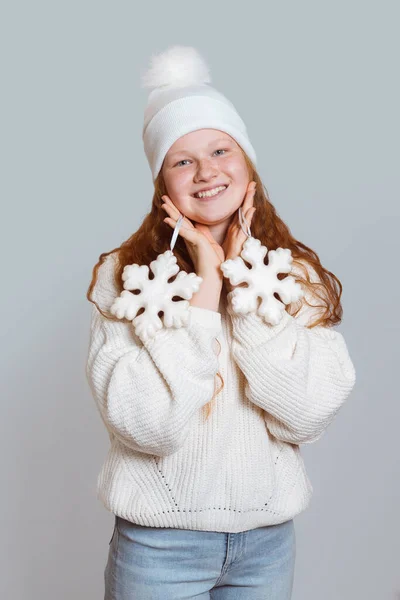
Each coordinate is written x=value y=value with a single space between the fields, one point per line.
x=205 y=171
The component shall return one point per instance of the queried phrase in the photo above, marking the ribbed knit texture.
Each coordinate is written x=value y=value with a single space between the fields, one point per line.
x=242 y=468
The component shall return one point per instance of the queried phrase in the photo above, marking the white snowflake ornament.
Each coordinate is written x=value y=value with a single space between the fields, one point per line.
x=262 y=281
x=156 y=294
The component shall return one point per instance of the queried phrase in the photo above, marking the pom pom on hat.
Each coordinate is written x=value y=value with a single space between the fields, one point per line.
x=178 y=66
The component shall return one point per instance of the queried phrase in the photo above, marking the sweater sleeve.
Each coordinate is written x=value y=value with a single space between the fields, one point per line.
x=299 y=376
x=147 y=394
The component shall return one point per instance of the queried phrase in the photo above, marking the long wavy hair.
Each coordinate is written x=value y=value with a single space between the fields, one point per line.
x=153 y=237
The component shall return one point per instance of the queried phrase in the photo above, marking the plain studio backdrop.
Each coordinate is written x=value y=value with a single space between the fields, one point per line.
x=317 y=86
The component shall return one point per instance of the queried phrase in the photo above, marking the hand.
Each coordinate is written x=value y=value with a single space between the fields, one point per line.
x=235 y=237
x=206 y=254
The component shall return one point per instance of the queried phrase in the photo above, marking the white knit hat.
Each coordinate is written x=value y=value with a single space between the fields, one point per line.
x=181 y=101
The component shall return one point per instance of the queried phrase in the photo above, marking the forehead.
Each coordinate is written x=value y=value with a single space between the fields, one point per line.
x=198 y=139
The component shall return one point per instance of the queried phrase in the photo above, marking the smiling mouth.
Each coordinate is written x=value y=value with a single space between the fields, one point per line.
x=209 y=198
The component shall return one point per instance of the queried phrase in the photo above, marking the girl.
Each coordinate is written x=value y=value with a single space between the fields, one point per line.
x=205 y=483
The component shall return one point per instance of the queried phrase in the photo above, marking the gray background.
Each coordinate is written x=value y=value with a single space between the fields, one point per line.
x=317 y=85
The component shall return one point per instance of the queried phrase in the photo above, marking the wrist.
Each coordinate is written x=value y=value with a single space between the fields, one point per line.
x=209 y=293
x=211 y=278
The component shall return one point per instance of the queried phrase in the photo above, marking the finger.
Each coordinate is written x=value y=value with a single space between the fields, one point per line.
x=170 y=211
x=249 y=198
x=188 y=233
x=170 y=208
x=248 y=204
x=249 y=215
x=249 y=218
x=171 y=205
x=242 y=236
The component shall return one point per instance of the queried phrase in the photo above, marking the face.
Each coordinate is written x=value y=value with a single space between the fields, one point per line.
x=203 y=160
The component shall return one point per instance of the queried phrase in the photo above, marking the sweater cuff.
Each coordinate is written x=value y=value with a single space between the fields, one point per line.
x=251 y=330
x=206 y=317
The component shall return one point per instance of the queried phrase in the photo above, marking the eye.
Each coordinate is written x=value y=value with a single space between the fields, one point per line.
x=185 y=159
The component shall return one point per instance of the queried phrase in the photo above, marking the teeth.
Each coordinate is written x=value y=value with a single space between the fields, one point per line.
x=210 y=193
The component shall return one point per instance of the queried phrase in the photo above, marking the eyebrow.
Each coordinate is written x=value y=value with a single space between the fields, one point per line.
x=184 y=150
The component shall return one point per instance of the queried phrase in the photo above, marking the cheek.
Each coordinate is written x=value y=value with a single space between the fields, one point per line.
x=179 y=188
x=180 y=182
x=237 y=170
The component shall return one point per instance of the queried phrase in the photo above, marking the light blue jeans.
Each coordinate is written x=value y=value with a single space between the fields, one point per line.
x=157 y=563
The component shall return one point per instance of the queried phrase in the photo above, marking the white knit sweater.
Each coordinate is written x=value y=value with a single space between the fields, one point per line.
x=242 y=468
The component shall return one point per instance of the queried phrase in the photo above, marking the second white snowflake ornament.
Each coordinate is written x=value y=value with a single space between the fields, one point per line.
x=262 y=279
x=156 y=294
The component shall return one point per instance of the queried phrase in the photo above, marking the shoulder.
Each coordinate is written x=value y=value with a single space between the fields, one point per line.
x=105 y=289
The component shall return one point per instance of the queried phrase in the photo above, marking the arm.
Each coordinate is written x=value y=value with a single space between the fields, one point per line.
x=148 y=394
x=299 y=376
